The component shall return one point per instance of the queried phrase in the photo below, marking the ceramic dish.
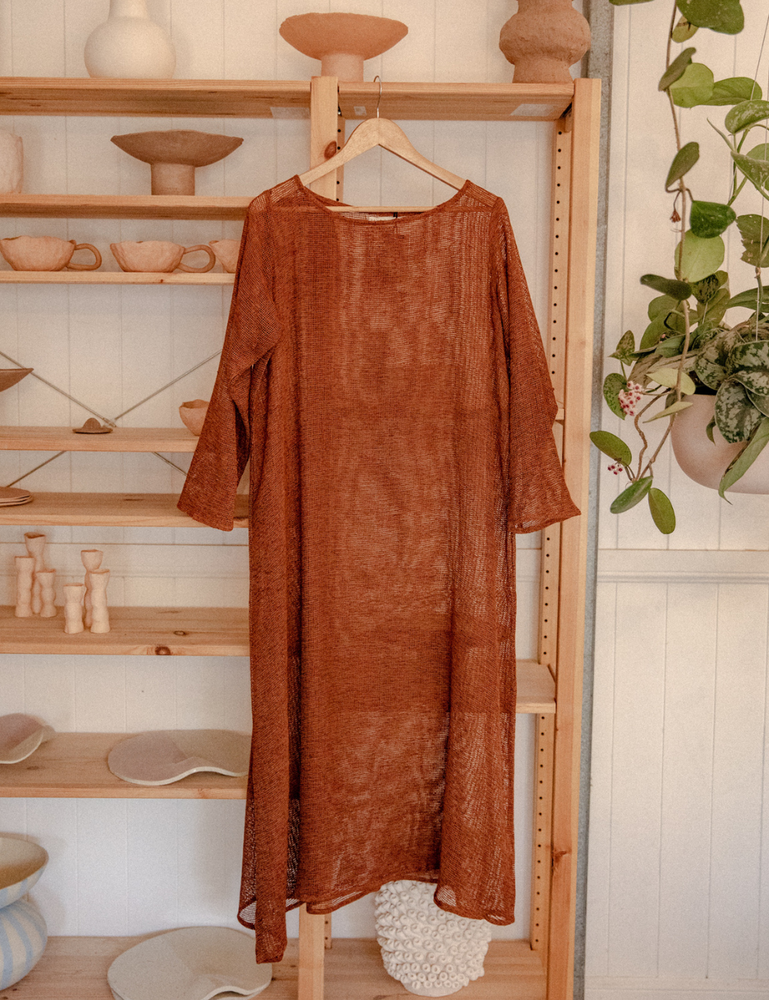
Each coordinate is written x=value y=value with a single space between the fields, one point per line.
x=21 y=865
x=192 y=963
x=20 y=736
x=160 y=758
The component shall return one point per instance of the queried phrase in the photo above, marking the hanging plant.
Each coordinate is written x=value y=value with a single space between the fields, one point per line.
x=687 y=346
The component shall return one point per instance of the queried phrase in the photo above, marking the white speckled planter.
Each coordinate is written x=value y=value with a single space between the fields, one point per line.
x=432 y=952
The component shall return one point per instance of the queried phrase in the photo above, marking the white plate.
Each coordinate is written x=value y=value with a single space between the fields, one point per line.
x=20 y=736
x=192 y=963
x=159 y=758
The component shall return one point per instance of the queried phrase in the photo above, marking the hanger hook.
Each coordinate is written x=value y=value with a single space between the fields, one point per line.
x=377 y=79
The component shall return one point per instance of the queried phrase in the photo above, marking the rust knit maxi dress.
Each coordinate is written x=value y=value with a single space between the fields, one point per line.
x=386 y=378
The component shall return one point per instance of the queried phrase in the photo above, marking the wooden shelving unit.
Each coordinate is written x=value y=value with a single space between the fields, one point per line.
x=114 y=278
x=171 y=439
x=132 y=510
x=550 y=688
x=75 y=968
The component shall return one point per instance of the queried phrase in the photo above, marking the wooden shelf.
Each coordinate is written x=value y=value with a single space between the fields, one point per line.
x=133 y=632
x=114 y=278
x=281 y=99
x=122 y=439
x=107 y=206
x=74 y=765
x=129 y=510
x=75 y=968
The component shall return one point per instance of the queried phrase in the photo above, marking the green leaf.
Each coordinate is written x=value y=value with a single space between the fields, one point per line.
x=735 y=90
x=740 y=465
x=719 y=15
x=760 y=402
x=612 y=387
x=671 y=347
x=631 y=496
x=716 y=308
x=709 y=287
x=662 y=511
x=752 y=354
x=662 y=326
x=745 y=114
x=683 y=31
x=612 y=446
x=697 y=258
x=755 y=169
x=736 y=417
x=661 y=305
x=754 y=232
x=709 y=218
x=694 y=87
x=682 y=404
x=676 y=69
x=625 y=349
x=749 y=299
x=682 y=163
x=755 y=380
x=669 y=377
x=677 y=290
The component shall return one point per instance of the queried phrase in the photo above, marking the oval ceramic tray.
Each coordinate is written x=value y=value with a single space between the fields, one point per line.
x=192 y=963
x=159 y=758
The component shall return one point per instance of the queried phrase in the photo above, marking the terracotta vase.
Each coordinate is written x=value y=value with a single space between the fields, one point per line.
x=706 y=462
x=543 y=40
x=342 y=41
x=129 y=44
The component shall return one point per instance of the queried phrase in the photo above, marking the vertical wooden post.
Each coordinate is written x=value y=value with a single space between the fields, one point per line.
x=312 y=935
x=554 y=338
x=571 y=612
x=324 y=135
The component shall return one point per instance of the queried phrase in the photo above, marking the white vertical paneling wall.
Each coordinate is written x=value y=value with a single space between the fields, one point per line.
x=678 y=883
x=121 y=867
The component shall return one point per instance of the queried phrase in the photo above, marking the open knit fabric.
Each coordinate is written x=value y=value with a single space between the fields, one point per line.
x=386 y=378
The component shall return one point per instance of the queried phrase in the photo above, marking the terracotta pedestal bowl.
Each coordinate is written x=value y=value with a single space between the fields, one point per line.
x=342 y=41
x=173 y=156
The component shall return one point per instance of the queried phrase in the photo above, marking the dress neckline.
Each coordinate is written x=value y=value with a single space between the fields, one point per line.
x=324 y=204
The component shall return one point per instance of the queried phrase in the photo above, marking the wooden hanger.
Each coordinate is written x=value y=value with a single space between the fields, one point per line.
x=385 y=133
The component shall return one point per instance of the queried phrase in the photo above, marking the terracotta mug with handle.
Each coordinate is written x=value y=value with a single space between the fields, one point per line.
x=158 y=255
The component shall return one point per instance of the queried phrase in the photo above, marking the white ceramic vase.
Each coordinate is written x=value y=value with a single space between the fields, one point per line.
x=432 y=952
x=130 y=44
x=705 y=461
x=11 y=163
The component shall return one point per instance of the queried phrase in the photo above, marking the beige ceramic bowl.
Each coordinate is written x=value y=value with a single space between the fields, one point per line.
x=193 y=414
x=226 y=253
x=45 y=253
x=21 y=865
x=157 y=255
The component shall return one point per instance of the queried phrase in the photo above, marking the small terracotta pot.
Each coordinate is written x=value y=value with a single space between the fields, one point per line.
x=706 y=462
x=45 y=253
x=157 y=255
x=193 y=414
x=226 y=253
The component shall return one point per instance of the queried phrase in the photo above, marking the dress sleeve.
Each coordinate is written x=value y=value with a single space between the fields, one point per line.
x=538 y=493
x=235 y=424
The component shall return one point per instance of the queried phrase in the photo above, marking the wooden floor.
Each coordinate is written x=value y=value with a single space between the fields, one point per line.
x=75 y=968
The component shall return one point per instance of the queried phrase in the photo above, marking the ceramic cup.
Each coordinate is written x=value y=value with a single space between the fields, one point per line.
x=45 y=253
x=226 y=253
x=193 y=413
x=157 y=255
